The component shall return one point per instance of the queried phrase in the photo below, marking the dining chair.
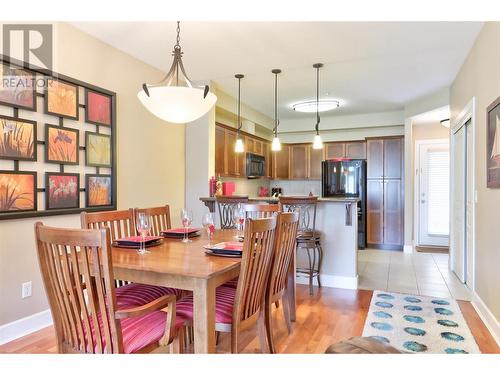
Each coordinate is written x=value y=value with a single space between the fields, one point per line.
x=284 y=248
x=259 y=211
x=90 y=315
x=226 y=205
x=237 y=309
x=121 y=224
x=160 y=218
x=308 y=239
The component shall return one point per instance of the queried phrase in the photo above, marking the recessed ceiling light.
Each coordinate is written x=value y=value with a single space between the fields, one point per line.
x=310 y=106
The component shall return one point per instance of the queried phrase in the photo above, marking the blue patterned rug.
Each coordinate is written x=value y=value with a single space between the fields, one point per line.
x=417 y=324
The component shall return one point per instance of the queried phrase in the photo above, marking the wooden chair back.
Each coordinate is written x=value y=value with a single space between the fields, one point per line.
x=121 y=223
x=160 y=218
x=306 y=207
x=225 y=206
x=259 y=211
x=284 y=247
x=77 y=273
x=254 y=271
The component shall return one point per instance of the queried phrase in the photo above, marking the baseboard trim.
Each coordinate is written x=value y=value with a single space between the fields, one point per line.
x=408 y=249
x=487 y=317
x=25 y=326
x=332 y=281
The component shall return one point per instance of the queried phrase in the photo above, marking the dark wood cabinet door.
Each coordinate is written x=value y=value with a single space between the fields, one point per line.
x=375 y=158
x=266 y=150
x=249 y=145
x=231 y=156
x=355 y=150
x=220 y=151
x=393 y=212
x=281 y=161
x=393 y=157
x=257 y=147
x=315 y=159
x=335 y=150
x=375 y=211
x=298 y=162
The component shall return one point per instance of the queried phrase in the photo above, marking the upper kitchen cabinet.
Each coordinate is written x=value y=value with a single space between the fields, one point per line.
x=385 y=157
x=220 y=151
x=305 y=162
x=315 y=159
x=281 y=163
x=350 y=150
x=375 y=158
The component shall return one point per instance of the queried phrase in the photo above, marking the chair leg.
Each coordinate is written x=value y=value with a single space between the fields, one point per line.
x=234 y=340
x=320 y=260
x=261 y=326
x=311 y=265
x=277 y=304
x=217 y=336
x=176 y=345
x=269 y=326
x=286 y=314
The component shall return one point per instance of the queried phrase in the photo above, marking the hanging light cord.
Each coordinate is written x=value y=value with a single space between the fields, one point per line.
x=317 y=101
x=239 y=76
x=275 y=104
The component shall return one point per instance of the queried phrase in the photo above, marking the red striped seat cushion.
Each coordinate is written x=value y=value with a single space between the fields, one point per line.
x=224 y=302
x=141 y=331
x=232 y=283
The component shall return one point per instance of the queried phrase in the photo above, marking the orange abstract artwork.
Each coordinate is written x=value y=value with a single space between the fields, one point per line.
x=62 y=98
x=17 y=139
x=99 y=191
x=62 y=145
x=17 y=191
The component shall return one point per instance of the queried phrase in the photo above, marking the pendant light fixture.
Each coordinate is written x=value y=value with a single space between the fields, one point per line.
x=276 y=145
x=317 y=142
x=238 y=146
x=175 y=98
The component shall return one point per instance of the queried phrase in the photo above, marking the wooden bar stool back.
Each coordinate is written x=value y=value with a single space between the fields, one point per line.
x=77 y=272
x=226 y=206
x=160 y=218
x=308 y=238
x=284 y=248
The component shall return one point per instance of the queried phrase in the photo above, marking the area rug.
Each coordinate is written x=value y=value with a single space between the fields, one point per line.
x=417 y=324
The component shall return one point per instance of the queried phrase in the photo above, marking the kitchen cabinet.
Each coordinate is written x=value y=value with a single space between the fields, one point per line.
x=232 y=167
x=220 y=151
x=350 y=150
x=305 y=162
x=385 y=192
x=266 y=150
x=315 y=159
x=281 y=163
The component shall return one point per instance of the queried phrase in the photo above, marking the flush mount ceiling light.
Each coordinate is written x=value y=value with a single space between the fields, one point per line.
x=323 y=105
x=276 y=145
x=445 y=123
x=175 y=98
x=239 y=146
x=317 y=142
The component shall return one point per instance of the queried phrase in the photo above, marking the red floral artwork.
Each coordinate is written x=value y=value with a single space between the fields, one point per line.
x=98 y=108
x=63 y=191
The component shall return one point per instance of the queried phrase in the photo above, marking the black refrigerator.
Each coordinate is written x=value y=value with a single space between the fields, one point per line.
x=347 y=178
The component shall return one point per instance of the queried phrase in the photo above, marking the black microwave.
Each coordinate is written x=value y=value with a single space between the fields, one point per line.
x=256 y=165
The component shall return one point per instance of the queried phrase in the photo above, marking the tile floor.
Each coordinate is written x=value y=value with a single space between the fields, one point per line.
x=418 y=273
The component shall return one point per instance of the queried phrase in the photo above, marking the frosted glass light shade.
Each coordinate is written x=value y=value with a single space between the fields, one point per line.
x=177 y=104
x=311 y=106
x=238 y=146
x=276 y=145
x=317 y=143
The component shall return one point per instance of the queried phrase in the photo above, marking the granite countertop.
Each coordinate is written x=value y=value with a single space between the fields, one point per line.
x=272 y=199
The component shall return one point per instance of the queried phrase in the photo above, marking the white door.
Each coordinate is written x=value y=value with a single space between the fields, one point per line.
x=469 y=207
x=433 y=193
x=459 y=196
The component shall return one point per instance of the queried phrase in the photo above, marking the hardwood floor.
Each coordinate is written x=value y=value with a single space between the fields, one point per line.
x=329 y=316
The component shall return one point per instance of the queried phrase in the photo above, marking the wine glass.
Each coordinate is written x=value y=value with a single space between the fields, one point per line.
x=143 y=224
x=187 y=219
x=209 y=225
x=238 y=219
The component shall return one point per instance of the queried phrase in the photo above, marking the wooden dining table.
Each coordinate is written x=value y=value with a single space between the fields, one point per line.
x=186 y=266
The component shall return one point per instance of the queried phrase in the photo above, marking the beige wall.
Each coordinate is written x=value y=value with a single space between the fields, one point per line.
x=479 y=77
x=150 y=155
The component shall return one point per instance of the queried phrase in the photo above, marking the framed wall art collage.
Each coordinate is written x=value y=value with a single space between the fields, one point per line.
x=57 y=144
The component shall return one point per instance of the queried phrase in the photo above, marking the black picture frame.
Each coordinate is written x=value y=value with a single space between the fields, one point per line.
x=87 y=108
x=35 y=140
x=35 y=193
x=88 y=134
x=87 y=190
x=77 y=99
x=46 y=148
x=33 y=75
x=47 y=190
x=492 y=139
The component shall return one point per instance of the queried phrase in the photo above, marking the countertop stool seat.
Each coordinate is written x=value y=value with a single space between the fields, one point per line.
x=308 y=238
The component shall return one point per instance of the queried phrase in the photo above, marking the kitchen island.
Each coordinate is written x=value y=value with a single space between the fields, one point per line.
x=337 y=221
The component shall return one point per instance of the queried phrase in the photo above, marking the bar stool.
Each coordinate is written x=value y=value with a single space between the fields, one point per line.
x=226 y=205
x=308 y=239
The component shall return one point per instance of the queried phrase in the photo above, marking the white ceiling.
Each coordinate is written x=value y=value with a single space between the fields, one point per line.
x=369 y=66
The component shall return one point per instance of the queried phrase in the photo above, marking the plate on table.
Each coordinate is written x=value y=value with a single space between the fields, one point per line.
x=210 y=252
x=179 y=232
x=134 y=242
x=234 y=249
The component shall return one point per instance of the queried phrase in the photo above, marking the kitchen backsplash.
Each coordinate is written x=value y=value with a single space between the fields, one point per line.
x=244 y=186
x=297 y=187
